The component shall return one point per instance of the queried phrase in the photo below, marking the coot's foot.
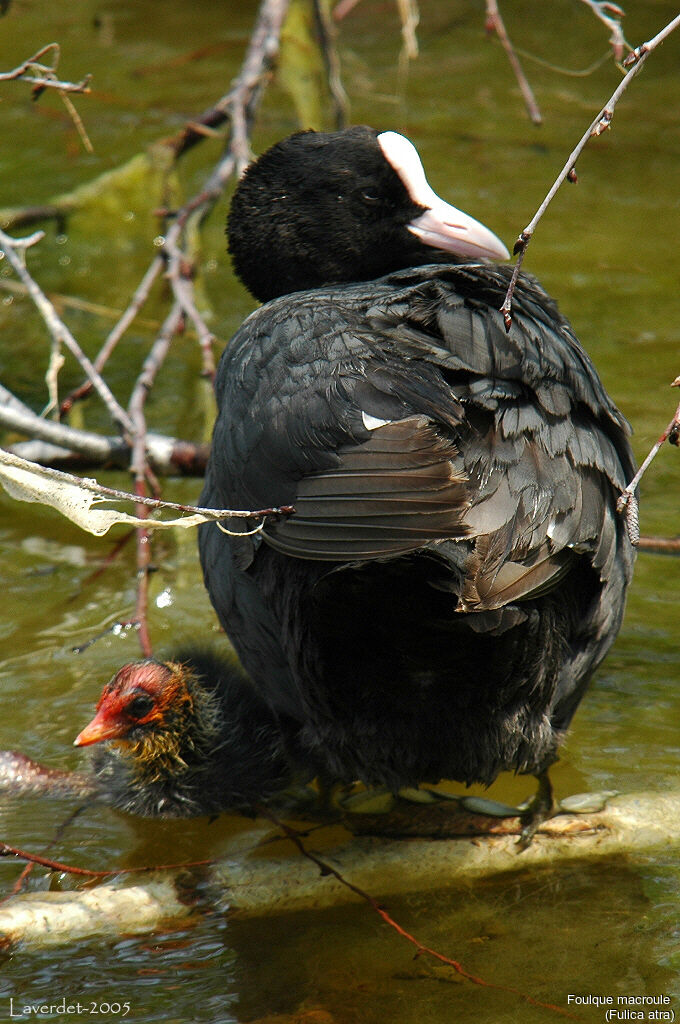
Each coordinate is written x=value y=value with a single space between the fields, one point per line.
x=541 y=807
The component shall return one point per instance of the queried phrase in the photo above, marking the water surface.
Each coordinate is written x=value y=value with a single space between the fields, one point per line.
x=606 y=250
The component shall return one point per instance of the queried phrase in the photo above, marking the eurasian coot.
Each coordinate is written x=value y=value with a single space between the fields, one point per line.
x=455 y=569
x=183 y=738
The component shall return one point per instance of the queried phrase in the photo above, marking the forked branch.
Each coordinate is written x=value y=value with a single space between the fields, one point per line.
x=44 y=76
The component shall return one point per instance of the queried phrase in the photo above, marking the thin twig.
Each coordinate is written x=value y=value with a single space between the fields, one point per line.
x=327 y=869
x=558 y=69
x=138 y=299
x=93 y=487
x=601 y=123
x=116 y=629
x=44 y=76
x=410 y=18
x=143 y=550
x=260 y=57
x=58 y=330
x=107 y=561
x=611 y=14
x=167 y=455
x=627 y=503
x=71 y=869
x=139 y=468
x=494 y=23
x=660 y=545
x=238 y=106
x=180 y=277
x=77 y=121
x=326 y=32
x=147 y=376
x=28 y=868
x=50 y=83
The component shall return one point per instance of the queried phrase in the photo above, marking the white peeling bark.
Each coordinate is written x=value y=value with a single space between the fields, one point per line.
x=286 y=881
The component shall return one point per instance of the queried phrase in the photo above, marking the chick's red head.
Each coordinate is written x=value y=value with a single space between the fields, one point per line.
x=138 y=696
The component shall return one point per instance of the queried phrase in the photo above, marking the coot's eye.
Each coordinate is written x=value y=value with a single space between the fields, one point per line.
x=139 y=706
x=370 y=197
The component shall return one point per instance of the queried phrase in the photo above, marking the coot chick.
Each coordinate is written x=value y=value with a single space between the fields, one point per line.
x=184 y=738
x=455 y=569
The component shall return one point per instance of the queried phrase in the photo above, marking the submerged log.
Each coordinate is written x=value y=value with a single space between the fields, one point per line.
x=628 y=825
x=285 y=881
x=40 y=919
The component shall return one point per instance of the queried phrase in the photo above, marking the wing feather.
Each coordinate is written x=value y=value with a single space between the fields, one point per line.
x=392 y=494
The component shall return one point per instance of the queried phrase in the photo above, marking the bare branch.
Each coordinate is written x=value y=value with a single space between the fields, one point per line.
x=326 y=869
x=602 y=121
x=326 y=33
x=410 y=18
x=167 y=455
x=611 y=14
x=139 y=467
x=261 y=54
x=660 y=545
x=146 y=378
x=77 y=121
x=44 y=76
x=56 y=327
x=94 y=446
x=56 y=865
x=627 y=503
x=180 y=274
x=238 y=106
x=114 y=336
x=494 y=23
x=30 y=481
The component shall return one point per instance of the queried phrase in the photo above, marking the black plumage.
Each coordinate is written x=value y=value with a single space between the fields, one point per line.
x=455 y=569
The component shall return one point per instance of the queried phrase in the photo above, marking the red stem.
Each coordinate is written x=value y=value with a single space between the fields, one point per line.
x=328 y=869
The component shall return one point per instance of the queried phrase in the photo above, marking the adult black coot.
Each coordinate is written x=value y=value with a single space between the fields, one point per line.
x=455 y=569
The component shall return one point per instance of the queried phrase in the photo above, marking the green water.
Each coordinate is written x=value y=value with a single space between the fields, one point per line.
x=607 y=250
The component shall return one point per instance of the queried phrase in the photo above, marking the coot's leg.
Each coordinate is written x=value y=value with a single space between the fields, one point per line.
x=541 y=807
